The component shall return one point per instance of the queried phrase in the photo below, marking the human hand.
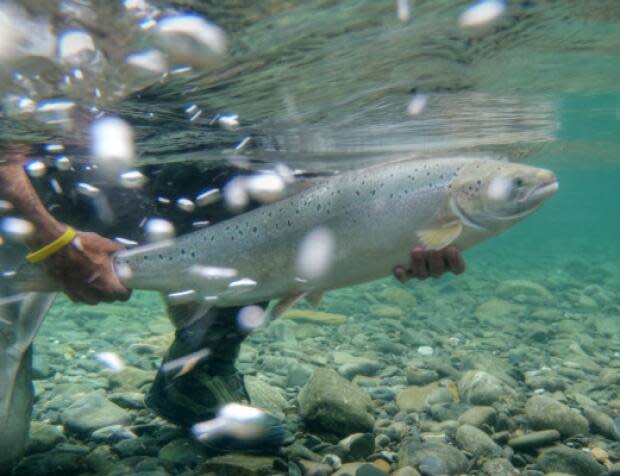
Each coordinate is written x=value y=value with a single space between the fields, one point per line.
x=431 y=263
x=85 y=270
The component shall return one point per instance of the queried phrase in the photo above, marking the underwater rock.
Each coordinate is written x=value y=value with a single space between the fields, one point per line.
x=313 y=468
x=52 y=463
x=384 y=311
x=101 y=459
x=566 y=460
x=265 y=396
x=610 y=376
x=240 y=465
x=481 y=388
x=348 y=469
x=415 y=398
x=499 y=467
x=478 y=416
x=497 y=311
x=182 y=451
x=416 y=376
x=298 y=375
x=131 y=378
x=43 y=437
x=524 y=291
x=535 y=439
x=358 y=446
x=361 y=366
x=112 y=434
x=398 y=296
x=314 y=317
x=92 y=412
x=367 y=469
x=545 y=413
x=406 y=471
x=331 y=403
x=477 y=442
x=600 y=422
x=130 y=400
x=546 y=379
x=432 y=459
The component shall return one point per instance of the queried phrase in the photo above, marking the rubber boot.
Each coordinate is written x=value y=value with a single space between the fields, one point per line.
x=212 y=382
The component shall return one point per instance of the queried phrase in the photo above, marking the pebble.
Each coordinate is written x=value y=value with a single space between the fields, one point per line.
x=358 y=446
x=433 y=459
x=478 y=416
x=481 y=388
x=92 y=412
x=535 y=439
x=416 y=376
x=570 y=461
x=545 y=413
x=332 y=403
x=370 y=470
x=477 y=442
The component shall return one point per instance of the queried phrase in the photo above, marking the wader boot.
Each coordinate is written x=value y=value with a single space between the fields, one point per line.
x=213 y=382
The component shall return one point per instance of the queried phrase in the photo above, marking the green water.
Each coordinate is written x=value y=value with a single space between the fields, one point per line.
x=324 y=86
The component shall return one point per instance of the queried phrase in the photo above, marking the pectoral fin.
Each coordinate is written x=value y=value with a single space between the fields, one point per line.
x=285 y=303
x=442 y=236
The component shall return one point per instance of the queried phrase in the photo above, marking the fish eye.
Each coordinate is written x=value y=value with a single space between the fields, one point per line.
x=518 y=182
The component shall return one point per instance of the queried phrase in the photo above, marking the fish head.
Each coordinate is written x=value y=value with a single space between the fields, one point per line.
x=492 y=195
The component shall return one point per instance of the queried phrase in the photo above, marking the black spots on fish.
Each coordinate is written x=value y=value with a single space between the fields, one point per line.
x=479 y=182
x=297 y=211
x=357 y=192
x=182 y=251
x=255 y=229
x=391 y=195
x=288 y=222
x=193 y=254
x=160 y=256
x=318 y=207
x=146 y=258
x=212 y=237
x=373 y=192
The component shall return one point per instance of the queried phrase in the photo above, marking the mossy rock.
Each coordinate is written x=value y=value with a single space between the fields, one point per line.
x=314 y=317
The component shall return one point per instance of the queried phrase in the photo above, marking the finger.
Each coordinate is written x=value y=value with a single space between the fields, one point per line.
x=400 y=273
x=418 y=264
x=435 y=263
x=454 y=260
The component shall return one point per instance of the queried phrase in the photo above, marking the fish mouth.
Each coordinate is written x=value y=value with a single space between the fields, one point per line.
x=543 y=191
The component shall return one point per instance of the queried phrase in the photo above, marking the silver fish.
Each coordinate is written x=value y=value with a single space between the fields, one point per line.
x=374 y=217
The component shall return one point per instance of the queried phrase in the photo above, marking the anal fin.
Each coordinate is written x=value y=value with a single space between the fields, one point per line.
x=314 y=298
x=285 y=303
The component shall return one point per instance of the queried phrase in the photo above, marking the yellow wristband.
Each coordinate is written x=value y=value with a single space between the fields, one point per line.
x=55 y=246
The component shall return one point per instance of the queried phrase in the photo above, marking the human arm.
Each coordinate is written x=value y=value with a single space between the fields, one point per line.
x=84 y=267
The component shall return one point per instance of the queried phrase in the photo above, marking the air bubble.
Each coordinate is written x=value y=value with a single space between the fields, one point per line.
x=36 y=168
x=132 y=179
x=158 y=229
x=186 y=205
x=316 y=253
x=251 y=318
x=481 y=13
